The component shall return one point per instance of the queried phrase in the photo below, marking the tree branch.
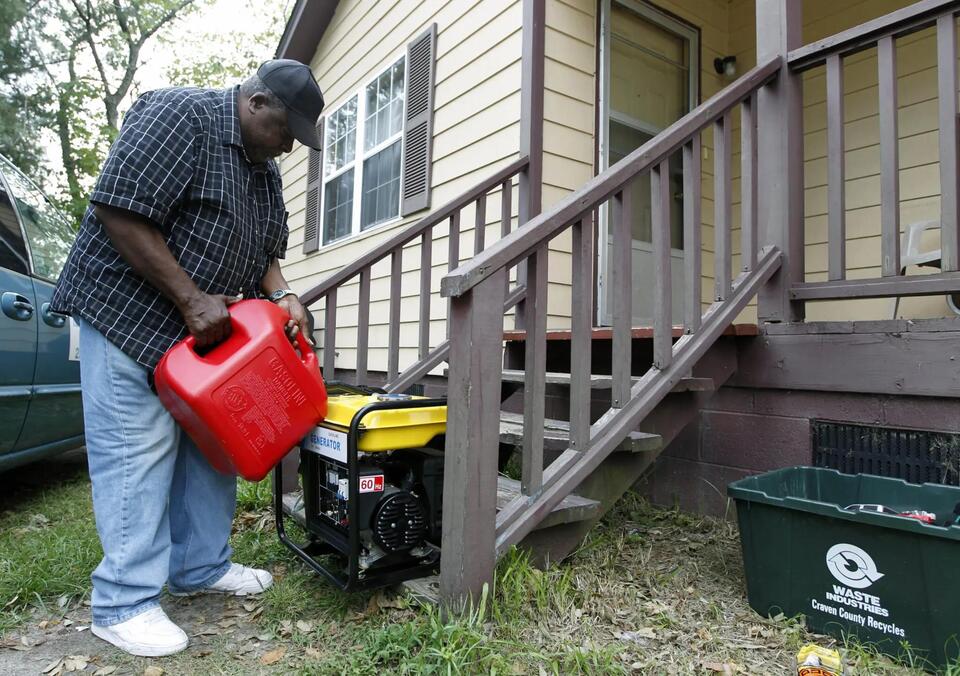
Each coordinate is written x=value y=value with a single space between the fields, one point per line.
x=166 y=18
x=89 y=35
x=122 y=21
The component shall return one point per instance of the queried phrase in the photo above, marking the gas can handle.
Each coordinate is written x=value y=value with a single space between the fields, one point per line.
x=307 y=355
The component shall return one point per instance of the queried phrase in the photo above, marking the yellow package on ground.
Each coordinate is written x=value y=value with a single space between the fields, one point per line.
x=813 y=660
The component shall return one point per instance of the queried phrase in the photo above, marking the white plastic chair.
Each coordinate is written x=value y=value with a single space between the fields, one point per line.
x=910 y=254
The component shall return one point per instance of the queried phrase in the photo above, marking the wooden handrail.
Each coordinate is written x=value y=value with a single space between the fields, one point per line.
x=522 y=242
x=413 y=231
x=910 y=19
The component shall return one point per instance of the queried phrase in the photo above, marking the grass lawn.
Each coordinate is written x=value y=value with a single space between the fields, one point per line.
x=651 y=591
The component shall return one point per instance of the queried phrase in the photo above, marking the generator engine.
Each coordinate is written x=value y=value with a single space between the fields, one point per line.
x=372 y=477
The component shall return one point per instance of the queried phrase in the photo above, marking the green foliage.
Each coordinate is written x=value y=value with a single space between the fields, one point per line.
x=236 y=54
x=69 y=69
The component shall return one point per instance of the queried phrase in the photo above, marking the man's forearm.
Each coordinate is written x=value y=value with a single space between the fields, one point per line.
x=142 y=246
x=273 y=279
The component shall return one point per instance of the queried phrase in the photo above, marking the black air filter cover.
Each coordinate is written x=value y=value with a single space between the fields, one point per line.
x=399 y=522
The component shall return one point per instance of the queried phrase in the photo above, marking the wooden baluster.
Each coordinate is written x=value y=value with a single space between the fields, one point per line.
x=480 y=228
x=426 y=269
x=621 y=283
x=472 y=441
x=581 y=340
x=947 y=83
x=506 y=213
x=453 y=255
x=889 y=158
x=662 y=307
x=506 y=207
x=393 y=354
x=330 y=335
x=836 y=208
x=535 y=367
x=363 y=326
x=721 y=206
x=692 y=233
x=748 y=184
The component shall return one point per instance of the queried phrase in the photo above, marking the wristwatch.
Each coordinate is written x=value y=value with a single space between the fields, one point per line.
x=280 y=293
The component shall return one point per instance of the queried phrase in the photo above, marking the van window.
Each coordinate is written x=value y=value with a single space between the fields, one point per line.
x=49 y=235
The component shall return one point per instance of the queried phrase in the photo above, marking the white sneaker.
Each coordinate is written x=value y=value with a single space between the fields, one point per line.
x=238 y=581
x=149 y=634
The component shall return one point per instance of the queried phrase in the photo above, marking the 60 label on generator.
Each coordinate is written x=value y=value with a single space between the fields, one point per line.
x=372 y=479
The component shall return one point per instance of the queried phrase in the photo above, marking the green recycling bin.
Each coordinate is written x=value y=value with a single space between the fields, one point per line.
x=889 y=580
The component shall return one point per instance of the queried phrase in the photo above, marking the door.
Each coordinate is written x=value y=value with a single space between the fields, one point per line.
x=650 y=80
x=18 y=325
x=55 y=415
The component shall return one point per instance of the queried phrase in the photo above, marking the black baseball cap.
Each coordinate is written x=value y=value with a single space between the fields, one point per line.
x=293 y=83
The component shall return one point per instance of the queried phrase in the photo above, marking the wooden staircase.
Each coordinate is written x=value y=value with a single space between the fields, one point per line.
x=573 y=466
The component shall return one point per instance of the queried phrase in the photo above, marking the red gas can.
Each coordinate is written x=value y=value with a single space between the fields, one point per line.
x=247 y=401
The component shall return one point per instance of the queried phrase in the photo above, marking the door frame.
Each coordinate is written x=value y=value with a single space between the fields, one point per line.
x=669 y=22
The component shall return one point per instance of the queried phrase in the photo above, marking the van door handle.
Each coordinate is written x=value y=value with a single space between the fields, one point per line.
x=16 y=306
x=54 y=319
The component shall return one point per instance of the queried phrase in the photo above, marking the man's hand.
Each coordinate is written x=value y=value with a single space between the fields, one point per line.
x=298 y=317
x=207 y=318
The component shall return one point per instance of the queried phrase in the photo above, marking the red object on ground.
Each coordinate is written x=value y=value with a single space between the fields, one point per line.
x=248 y=400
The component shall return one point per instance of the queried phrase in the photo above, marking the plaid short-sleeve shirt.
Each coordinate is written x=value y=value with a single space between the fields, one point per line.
x=178 y=161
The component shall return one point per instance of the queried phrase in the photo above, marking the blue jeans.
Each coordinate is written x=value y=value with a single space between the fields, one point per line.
x=163 y=513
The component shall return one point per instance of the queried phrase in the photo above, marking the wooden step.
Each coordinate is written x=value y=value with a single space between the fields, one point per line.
x=573 y=508
x=556 y=435
x=605 y=382
x=636 y=333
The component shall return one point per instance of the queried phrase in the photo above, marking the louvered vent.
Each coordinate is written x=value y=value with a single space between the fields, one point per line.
x=912 y=455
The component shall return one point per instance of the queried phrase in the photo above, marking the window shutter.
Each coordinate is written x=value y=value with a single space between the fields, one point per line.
x=311 y=226
x=418 y=122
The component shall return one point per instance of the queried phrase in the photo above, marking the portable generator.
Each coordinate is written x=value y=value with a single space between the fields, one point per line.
x=372 y=479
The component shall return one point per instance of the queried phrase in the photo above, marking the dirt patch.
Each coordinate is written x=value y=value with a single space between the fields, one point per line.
x=218 y=626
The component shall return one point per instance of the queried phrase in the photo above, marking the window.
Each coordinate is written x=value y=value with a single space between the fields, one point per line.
x=13 y=253
x=353 y=203
x=48 y=233
x=382 y=130
x=376 y=157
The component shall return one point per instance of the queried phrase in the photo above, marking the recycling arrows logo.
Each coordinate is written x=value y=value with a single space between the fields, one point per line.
x=852 y=566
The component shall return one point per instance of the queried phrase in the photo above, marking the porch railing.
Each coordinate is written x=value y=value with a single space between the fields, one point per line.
x=473 y=532
x=428 y=358
x=883 y=34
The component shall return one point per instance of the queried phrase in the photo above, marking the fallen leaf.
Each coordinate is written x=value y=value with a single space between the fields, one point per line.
x=304 y=626
x=263 y=637
x=105 y=671
x=206 y=631
x=638 y=635
x=250 y=606
x=312 y=652
x=229 y=622
x=273 y=656
x=52 y=666
x=75 y=663
x=153 y=671
x=43 y=624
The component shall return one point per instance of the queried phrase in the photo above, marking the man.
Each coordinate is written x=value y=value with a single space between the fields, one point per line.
x=186 y=217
